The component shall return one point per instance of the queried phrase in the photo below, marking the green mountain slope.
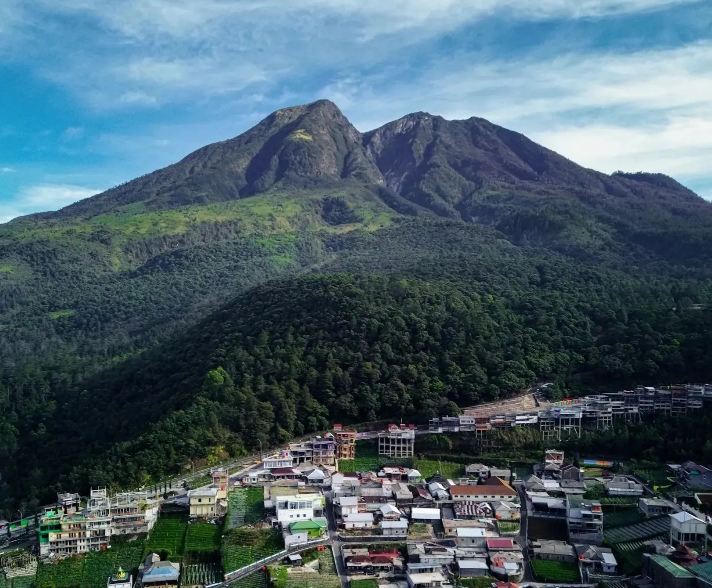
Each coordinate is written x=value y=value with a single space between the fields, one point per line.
x=378 y=274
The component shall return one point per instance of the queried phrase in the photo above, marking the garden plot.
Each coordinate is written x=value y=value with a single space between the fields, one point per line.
x=318 y=574
x=555 y=571
x=245 y=507
x=247 y=545
x=167 y=538
x=643 y=530
x=202 y=538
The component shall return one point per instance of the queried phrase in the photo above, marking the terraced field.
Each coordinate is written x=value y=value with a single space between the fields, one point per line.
x=245 y=545
x=642 y=530
x=203 y=537
x=555 y=571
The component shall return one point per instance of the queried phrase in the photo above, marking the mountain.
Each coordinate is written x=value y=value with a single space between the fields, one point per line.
x=302 y=270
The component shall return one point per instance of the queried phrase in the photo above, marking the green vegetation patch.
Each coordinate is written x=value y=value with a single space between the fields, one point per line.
x=247 y=545
x=643 y=530
x=167 y=538
x=555 y=571
x=447 y=469
x=59 y=314
x=621 y=517
x=368 y=583
x=245 y=507
x=300 y=135
x=202 y=537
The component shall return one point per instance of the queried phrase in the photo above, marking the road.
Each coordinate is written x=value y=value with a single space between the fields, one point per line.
x=336 y=546
x=524 y=529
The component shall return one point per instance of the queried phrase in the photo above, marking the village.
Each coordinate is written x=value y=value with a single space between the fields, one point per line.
x=366 y=509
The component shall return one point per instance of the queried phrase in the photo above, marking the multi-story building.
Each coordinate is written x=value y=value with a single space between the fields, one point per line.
x=220 y=481
x=298 y=506
x=397 y=441
x=687 y=529
x=584 y=519
x=61 y=533
x=203 y=502
x=132 y=513
x=317 y=451
x=345 y=442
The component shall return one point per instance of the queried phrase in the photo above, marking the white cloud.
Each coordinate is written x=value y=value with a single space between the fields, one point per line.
x=43 y=197
x=6 y=170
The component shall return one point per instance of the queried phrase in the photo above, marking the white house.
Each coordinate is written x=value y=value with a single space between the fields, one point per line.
x=359 y=520
x=686 y=528
x=390 y=512
x=347 y=505
x=294 y=507
x=470 y=537
x=623 y=486
x=425 y=514
x=393 y=528
x=281 y=460
x=425 y=580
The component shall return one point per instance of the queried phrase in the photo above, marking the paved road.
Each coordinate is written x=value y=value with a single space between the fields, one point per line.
x=524 y=530
x=335 y=541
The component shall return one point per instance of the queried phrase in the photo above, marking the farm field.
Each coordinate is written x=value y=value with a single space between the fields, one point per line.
x=642 y=530
x=245 y=507
x=256 y=580
x=246 y=545
x=90 y=570
x=202 y=537
x=555 y=571
x=167 y=538
x=369 y=583
x=621 y=517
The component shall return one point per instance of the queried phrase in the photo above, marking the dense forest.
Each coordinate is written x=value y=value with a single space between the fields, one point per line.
x=303 y=272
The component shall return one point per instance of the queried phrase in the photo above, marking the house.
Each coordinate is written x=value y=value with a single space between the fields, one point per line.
x=500 y=544
x=359 y=561
x=281 y=460
x=346 y=505
x=665 y=573
x=584 y=519
x=544 y=505
x=502 y=473
x=596 y=559
x=687 y=529
x=345 y=484
x=472 y=568
x=359 y=520
x=161 y=574
x=470 y=537
x=571 y=472
x=401 y=492
x=295 y=506
x=316 y=476
x=492 y=490
x=414 y=476
x=572 y=486
x=221 y=480
x=390 y=512
x=203 y=502
x=477 y=470
x=314 y=528
x=553 y=550
x=427 y=515
x=506 y=511
x=623 y=486
x=438 y=491
x=120 y=579
x=425 y=579
x=652 y=507
x=394 y=528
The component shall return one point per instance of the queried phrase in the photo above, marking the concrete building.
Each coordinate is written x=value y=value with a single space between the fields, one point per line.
x=345 y=442
x=653 y=507
x=203 y=502
x=281 y=460
x=397 y=528
x=584 y=519
x=553 y=550
x=61 y=534
x=623 y=486
x=220 y=481
x=472 y=568
x=160 y=574
x=470 y=537
x=687 y=529
x=132 y=513
x=359 y=520
x=593 y=558
x=397 y=441
x=425 y=580
x=298 y=506
x=493 y=489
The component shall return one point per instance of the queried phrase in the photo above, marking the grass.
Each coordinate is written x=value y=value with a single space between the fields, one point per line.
x=368 y=583
x=508 y=527
x=167 y=538
x=202 y=537
x=247 y=545
x=447 y=469
x=256 y=580
x=58 y=314
x=555 y=571
x=326 y=577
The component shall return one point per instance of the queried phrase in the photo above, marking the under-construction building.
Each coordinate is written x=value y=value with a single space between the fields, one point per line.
x=131 y=512
x=345 y=442
x=397 y=441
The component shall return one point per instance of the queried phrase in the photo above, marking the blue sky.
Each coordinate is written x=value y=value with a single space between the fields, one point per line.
x=94 y=93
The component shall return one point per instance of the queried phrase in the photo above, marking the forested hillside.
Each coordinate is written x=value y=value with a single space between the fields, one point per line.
x=303 y=271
